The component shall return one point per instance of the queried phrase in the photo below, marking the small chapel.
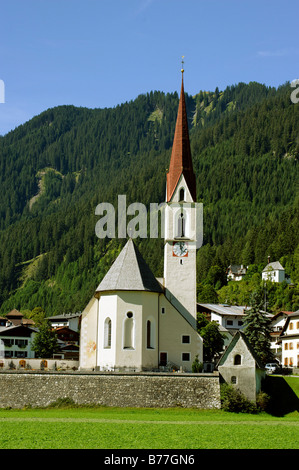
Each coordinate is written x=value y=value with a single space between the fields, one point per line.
x=134 y=321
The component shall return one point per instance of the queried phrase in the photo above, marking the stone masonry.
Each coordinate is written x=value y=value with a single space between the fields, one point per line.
x=22 y=388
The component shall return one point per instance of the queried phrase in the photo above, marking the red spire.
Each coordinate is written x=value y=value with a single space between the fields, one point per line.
x=181 y=160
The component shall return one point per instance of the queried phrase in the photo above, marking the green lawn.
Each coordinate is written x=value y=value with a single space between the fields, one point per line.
x=127 y=428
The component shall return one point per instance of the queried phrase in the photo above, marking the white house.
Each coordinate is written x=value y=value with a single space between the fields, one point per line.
x=273 y=272
x=236 y=272
x=228 y=316
x=277 y=325
x=16 y=341
x=289 y=338
x=133 y=321
x=71 y=320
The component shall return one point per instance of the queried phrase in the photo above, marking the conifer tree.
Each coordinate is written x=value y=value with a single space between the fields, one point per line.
x=257 y=328
x=45 y=341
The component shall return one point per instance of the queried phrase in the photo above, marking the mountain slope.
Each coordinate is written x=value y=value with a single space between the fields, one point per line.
x=245 y=153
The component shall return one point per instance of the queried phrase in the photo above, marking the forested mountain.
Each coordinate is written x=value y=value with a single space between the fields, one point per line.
x=57 y=167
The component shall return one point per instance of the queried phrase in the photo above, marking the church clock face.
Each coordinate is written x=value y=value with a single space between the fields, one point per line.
x=180 y=249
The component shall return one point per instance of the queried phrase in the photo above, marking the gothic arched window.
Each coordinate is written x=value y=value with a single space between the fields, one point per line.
x=182 y=195
x=107 y=333
x=181 y=225
x=150 y=334
x=129 y=331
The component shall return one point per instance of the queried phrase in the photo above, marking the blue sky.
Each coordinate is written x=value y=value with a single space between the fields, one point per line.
x=100 y=53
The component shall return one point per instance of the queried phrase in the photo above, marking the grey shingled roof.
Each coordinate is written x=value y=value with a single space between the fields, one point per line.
x=275 y=265
x=129 y=272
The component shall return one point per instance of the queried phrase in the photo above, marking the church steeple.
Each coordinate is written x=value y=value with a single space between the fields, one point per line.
x=181 y=160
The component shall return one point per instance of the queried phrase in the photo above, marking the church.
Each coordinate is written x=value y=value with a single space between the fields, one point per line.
x=134 y=321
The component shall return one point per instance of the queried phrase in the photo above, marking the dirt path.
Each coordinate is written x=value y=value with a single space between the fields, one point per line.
x=132 y=421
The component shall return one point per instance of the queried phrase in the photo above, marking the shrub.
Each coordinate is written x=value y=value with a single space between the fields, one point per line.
x=197 y=366
x=234 y=401
x=63 y=402
x=262 y=401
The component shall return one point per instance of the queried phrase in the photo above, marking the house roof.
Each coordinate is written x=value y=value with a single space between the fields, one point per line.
x=223 y=309
x=129 y=272
x=282 y=313
x=64 y=316
x=181 y=161
x=17 y=330
x=273 y=266
x=237 y=269
x=239 y=334
x=290 y=316
x=14 y=313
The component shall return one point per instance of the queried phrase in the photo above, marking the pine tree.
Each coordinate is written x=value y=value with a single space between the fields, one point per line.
x=45 y=341
x=257 y=328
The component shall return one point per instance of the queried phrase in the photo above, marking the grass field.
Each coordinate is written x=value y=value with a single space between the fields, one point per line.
x=151 y=428
x=124 y=428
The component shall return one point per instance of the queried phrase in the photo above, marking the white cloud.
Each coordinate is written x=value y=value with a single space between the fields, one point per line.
x=278 y=52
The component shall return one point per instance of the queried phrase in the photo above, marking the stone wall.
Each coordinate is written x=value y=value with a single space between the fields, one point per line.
x=22 y=388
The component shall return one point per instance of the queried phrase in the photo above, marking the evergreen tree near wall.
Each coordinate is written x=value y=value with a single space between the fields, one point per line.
x=45 y=343
x=257 y=328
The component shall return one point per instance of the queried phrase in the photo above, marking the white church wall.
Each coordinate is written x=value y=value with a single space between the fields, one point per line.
x=150 y=359
x=88 y=339
x=180 y=278
x=174 y=332
x=129 y=330
x=106 y=349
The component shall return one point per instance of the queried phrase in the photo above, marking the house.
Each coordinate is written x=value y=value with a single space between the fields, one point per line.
x=16 y=341
x=236 y=272
x=239 y=367
x=68 y=341
x=229 y=317
x=133 y=322
x=277 y=324
x=273 y=272
x=17 y=318
x=67 y=336
x=289 y=340
x=71 y=320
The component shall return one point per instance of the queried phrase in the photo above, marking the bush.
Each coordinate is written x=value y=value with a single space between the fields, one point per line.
x=234 y=401
x=63 y=402
x=197 y=366
x=263 y=401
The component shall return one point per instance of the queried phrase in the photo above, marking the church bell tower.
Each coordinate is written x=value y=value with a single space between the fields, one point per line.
x=180 y=220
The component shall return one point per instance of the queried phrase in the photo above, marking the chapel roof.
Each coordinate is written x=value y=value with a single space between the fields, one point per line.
x=275 y=265
x=181 y=160
x=239 y=334
x=129 y=272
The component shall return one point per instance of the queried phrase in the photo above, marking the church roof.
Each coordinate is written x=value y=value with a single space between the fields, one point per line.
x=273 y=266
x=181 y=161
x=129 y=272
